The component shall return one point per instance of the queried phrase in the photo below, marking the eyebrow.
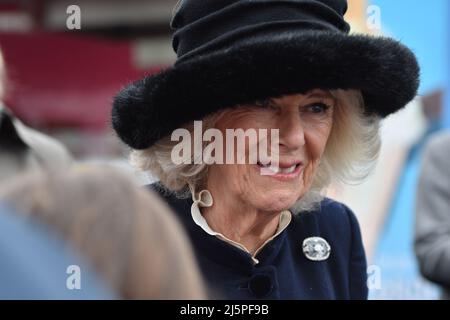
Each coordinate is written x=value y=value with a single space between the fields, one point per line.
x=322 y=94
x=311 y=94
x=266 y=102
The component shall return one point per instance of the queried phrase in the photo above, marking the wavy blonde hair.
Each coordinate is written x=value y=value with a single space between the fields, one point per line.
x=350 y=154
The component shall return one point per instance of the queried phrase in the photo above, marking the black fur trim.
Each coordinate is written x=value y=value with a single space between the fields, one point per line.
x=384 y=70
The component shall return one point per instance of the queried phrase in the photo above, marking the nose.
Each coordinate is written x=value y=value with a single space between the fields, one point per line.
x=292 y=134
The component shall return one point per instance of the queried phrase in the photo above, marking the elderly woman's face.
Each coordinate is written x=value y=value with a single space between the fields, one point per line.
x=304 y=123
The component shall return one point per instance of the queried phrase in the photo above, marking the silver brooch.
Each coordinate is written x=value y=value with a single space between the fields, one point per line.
x=316 y=249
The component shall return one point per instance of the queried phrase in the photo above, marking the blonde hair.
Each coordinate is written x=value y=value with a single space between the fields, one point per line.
x=128 y=235
x=350 y=154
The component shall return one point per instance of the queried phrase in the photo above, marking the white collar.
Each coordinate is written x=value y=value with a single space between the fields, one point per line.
x=204 y=199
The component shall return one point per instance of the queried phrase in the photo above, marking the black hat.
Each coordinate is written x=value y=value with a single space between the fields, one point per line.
x=234 y=52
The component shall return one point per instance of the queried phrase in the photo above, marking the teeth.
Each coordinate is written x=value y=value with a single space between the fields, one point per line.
x=274 y=169
x=269 y=169
x=288 y=170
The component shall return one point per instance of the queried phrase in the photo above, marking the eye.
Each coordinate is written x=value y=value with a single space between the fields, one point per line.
x=317 y=108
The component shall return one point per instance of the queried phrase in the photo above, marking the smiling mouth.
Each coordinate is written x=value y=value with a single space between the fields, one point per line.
x=281 y=169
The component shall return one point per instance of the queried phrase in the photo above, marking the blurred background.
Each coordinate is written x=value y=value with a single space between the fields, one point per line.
x=62 y=81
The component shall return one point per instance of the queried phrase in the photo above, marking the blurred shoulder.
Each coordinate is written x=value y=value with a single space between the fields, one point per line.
x=438 y=146
x=440 y=140
x=435 y=157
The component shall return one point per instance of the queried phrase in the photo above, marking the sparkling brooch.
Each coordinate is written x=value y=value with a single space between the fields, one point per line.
x=316 y=249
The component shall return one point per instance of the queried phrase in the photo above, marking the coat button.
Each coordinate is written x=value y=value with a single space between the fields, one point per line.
x=260 y=285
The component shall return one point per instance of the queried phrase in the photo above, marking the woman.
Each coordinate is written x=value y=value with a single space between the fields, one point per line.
x=265 y=229
x=128 y=235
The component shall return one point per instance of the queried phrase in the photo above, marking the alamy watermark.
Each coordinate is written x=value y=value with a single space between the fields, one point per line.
x=374 y=277
x=73 y=21
x=228 y=148
x=73 y=281
x=373 y=21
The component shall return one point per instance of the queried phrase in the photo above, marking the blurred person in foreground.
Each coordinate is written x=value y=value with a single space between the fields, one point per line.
x=37 y=265
x=432 y=234
x=128 y=235
x=22 y=148
x=264 y=229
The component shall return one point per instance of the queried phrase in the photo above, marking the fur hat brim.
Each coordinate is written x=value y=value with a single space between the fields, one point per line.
x=386 y=72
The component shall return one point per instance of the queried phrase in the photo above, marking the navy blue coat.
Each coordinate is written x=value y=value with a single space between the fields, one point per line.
x=283 y=271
